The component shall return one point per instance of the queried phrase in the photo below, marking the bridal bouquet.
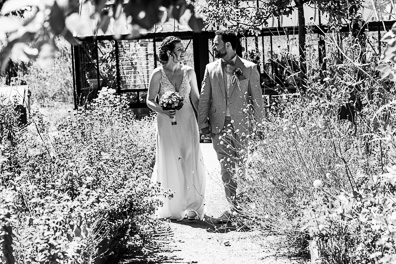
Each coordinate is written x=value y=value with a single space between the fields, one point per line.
x=171 y=101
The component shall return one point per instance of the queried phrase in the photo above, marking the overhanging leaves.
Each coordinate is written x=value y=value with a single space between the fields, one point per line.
x=99 y=4
x=10 y=24
x=144 y=13
x=63 y=19
x=57 y=19
x=15 y=5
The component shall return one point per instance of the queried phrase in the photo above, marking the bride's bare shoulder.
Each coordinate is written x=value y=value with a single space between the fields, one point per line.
x=156 y=73
x=188 y=69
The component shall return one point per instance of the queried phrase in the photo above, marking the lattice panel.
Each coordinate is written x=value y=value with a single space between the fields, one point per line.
x=136 y=63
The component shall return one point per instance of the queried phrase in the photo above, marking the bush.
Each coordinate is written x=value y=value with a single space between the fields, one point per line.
x=355 y=228
x=336 y=133
x=55 y=85
x=85 y=194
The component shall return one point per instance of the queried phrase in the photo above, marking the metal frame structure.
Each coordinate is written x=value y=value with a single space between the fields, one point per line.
x=201 y=52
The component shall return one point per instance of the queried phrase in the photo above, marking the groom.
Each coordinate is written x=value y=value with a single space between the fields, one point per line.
x=230 y=100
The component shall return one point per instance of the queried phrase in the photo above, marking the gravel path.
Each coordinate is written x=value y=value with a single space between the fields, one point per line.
x=205 y=243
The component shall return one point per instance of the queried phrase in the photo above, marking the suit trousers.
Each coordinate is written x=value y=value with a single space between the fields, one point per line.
x=229 y=149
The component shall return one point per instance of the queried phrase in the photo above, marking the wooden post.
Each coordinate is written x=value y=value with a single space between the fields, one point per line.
x=321 y=44
x=75 y=94
x=117 y=55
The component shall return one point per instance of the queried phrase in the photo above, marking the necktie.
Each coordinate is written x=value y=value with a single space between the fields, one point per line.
x=225 y=63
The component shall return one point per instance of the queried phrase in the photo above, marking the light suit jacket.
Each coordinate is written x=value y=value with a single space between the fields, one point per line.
x=212 y=102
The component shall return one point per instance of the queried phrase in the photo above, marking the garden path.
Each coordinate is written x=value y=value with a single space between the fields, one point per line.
x=205 y=243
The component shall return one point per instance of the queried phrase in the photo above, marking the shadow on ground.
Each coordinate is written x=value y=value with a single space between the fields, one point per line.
x=210 y=224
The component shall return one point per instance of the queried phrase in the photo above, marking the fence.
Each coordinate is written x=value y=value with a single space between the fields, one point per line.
x=126 y=64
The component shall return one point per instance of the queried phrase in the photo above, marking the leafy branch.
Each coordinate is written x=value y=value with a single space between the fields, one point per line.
x=30 y=26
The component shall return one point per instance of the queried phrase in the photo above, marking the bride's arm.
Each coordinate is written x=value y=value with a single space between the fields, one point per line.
x=194 y=89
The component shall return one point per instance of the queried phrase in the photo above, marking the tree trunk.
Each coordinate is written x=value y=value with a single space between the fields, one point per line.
x=301 y=42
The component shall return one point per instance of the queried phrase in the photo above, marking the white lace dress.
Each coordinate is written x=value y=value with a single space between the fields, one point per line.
x=179 y=163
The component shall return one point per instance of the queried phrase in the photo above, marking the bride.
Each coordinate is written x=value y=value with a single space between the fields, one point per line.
x=179 y=163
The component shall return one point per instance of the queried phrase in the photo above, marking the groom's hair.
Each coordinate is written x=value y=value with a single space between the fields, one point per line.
x=229 y=36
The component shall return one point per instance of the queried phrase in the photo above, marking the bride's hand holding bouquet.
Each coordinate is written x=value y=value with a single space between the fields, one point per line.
x=171 y=101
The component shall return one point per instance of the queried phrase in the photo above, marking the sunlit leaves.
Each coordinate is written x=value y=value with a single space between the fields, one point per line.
x=387 y=72
x=338 y=10
x=254 y=14
x=15 y=5
x=10 y=24
x=117 y=9
x=387 y=69
x=79 y=25
x=53 y=18
x=46 y=56
x=21 y=52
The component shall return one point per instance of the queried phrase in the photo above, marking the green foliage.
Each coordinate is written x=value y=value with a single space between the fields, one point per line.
x=32 y=35
x=250 y=15
x=308 y=143
x=358 y=228
x=389 y=57
x=55 y=84
x=83 y=195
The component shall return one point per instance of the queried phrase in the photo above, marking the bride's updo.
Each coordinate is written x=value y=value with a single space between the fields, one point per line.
x=169 y=43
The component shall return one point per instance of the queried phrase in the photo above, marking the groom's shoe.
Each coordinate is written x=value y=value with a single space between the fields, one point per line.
x=224 y=218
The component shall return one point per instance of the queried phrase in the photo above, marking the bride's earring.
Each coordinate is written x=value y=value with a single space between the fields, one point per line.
x=174 y=58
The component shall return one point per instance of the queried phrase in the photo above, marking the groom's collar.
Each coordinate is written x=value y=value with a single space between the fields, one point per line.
x=231 y=61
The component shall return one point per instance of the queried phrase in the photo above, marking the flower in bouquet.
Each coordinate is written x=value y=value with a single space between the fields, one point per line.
x=171 y=101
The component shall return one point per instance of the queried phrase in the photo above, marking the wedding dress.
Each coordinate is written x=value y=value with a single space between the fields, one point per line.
x=179 y=162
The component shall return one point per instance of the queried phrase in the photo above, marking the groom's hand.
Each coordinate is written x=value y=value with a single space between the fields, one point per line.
x=206 y=131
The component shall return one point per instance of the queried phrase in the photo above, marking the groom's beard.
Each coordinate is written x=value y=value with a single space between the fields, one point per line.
x=220 y=54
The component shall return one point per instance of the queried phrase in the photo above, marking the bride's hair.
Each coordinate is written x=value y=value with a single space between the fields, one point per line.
x=169 y=43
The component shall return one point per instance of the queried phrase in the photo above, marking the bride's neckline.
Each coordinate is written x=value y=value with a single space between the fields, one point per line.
x=176 y=87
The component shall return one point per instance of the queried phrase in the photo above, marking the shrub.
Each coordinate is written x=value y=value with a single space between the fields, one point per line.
x=308 y=139
x=356 y=228
x=84 y=194
x=55 y=85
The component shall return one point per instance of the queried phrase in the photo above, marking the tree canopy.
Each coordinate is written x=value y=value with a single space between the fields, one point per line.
x=29 y=27
x=252 y=15
x=243 y=15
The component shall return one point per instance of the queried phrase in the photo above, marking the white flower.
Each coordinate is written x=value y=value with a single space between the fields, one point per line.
x=392 y=217
x=317 y=184
x=343 y=198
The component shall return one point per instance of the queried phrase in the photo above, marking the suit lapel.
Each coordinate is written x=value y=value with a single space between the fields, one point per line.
x=220 y=77
x=238 y=64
